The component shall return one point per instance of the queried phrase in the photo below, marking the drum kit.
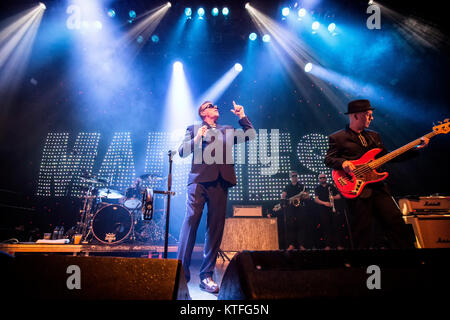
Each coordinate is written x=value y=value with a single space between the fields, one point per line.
x=110 y=217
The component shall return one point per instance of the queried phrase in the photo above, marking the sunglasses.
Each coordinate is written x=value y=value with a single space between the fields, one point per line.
x=210 y=106
x=322 y=177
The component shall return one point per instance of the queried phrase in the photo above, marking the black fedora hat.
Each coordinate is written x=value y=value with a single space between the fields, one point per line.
x=356 y=106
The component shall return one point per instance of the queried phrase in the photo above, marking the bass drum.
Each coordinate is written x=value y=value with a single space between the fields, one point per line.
x=112 y=224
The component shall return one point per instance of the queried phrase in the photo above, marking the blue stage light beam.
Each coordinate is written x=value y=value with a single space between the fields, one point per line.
x=221 y=85
x=144 y=28
x=179 y=111
x=215 y=12
x=285 y=11
x=188 y=12
x=16 y=40
x=378 y=95
x=225 y=11
x=201 y=12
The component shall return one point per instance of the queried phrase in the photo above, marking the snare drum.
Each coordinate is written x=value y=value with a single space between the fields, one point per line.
x=132 y=203
x=112 y=224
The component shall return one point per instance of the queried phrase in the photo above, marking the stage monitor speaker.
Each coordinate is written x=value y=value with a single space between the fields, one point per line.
x=250 y=234
x=98 y=278
x=432 y=231
x=262 y=275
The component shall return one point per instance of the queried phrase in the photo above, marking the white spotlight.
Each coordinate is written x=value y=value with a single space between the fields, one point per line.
x=308 y=67
x=238 y=67
x=247 y=5
x=43 y=6
x=301 y=12
x=315 y=25
x=178 y=66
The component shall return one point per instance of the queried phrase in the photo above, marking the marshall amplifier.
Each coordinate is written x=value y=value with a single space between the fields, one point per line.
x=430 y=219
x=425 y=205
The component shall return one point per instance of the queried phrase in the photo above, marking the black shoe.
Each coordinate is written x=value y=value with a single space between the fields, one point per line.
x=209 y=285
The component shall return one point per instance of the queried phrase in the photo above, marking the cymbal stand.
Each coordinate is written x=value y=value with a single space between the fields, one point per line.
x=85 y=223
x=134 y=221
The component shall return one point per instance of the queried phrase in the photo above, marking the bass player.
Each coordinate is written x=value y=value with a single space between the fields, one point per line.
x=375 y=201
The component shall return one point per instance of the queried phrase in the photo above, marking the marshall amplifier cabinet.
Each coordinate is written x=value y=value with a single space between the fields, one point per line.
x=425 y=205
x=430 y=219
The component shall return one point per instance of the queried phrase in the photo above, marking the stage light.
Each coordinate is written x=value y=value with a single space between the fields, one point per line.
x=247 y=5
x=238 y=67
x=169 y=4
x=285 y=11
x=111 y=13
x=155 y=38
x=253 y=36
x=225 y=11
x=302 y=12
x=308 y=67
x=315 y=25
x=215 y=12
x=331 y=27
x=140 y=39
x=266 y=38
x=43 y=6
x=132 y=14
x=177 y=66
x=188 y=12
x=201 y=12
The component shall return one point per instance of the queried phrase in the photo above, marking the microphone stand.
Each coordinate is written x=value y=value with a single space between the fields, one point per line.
x=169 y=188
x=168 y=193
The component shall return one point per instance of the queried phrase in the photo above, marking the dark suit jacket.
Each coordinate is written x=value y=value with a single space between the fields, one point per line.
x=345 y=145
x=202 y=171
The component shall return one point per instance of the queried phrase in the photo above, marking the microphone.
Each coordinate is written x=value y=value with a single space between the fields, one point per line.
x=171 y=153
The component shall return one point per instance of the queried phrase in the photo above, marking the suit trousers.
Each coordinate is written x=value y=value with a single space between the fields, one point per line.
x=381 y=206
x=214 y=195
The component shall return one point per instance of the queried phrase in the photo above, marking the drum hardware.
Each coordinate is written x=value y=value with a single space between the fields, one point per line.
x=92 y=179
x=115 y=223
x=109 y=193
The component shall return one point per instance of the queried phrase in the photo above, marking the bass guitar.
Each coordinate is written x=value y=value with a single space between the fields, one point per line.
x=352 y=184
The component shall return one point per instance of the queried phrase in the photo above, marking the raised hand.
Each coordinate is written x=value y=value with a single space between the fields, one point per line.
x=238 y=110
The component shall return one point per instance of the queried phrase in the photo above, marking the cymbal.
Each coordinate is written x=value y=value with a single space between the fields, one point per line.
x=109 y=193
x=92 y=180
x=150 y=176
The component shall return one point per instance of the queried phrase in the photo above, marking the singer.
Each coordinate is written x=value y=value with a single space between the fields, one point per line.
x=208 y=182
